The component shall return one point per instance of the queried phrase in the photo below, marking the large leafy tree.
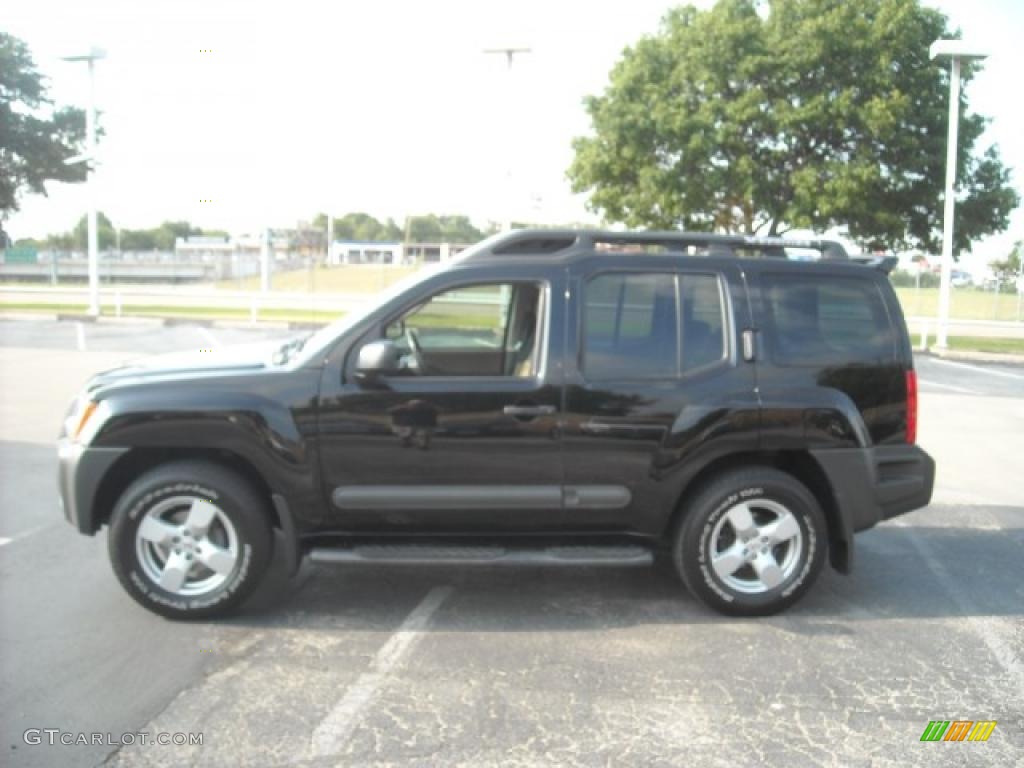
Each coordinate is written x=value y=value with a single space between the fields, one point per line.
x=35 y=137
x=761 y=117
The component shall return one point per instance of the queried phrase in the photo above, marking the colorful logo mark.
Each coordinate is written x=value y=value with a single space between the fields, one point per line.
x=958 y=730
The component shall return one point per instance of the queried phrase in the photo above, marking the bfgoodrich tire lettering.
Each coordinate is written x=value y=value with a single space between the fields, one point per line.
x=751 y=543
x=190 y=540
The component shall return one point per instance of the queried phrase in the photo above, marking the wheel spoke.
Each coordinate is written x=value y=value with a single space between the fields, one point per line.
x=783 y=529
x=174 y=572
x=728 y=561
x=768 y=570
x=157 y=531
x=215 y=558
x=741 y=521
x=200 y=515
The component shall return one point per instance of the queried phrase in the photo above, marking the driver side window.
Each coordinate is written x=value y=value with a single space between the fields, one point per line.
x=489 y=329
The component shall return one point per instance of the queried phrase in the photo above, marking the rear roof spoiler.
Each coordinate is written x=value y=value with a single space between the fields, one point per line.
x=885 y=263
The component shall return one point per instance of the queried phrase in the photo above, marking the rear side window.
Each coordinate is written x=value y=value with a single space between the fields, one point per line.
x=816 y=319
x=703 y=320
x=651 y=325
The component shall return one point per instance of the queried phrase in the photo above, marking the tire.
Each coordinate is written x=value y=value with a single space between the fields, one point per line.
x=190 y=540
x=752 y=564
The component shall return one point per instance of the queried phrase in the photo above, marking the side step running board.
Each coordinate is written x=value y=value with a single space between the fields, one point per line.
x=427 y=554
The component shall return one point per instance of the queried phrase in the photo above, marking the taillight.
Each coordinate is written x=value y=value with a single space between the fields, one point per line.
x=911 y=407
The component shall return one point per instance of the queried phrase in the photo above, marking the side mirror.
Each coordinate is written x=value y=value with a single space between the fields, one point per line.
x=376 y=359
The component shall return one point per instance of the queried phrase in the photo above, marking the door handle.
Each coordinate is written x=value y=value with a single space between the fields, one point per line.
x=528 y=411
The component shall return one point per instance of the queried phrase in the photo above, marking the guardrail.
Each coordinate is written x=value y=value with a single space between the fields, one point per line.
x=117 y=298
x=924 y=327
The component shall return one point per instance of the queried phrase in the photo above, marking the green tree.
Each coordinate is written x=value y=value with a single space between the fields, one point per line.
x=431 y=228
x=813 y=114
x=428 y=228
x=105 y=235
x=1009 y=269
x=169 y=231
x=138 y=240
x=35 y=137
x=360 y=226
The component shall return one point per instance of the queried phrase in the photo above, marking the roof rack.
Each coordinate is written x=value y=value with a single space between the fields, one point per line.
x=550 y=242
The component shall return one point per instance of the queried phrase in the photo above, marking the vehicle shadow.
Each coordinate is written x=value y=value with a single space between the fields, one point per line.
x=901 y=572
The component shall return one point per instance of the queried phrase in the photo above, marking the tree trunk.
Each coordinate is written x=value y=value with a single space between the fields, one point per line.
x=748 y=217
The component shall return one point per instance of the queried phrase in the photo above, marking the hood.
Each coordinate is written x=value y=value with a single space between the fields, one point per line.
x=191 y=364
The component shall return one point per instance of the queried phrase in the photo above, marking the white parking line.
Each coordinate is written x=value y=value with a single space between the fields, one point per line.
x=334 y=730
x=952 y=387
x=18 y=536
x=80 y=331
x=997 y=634
x=1005 y=374
x=208 y=335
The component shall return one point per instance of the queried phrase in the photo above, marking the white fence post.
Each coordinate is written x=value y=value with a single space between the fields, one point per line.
x=924 y=335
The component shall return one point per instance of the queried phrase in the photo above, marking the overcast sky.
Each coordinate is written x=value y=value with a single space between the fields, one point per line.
x=387 y=107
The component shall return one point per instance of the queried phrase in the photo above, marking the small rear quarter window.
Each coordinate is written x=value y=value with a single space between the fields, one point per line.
x=819 y=319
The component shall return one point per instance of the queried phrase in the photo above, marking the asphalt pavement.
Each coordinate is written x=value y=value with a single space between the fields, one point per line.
x=529 y=667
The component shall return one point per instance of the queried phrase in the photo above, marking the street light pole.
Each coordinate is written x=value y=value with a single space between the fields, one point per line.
x=946 y=278
x=90 y=156
x=509 y=52
x=956 y=50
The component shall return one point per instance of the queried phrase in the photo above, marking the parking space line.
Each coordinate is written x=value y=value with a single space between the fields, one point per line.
x=80 y=332
x=334 y=730
x=19 y=536
x=208 y=335
x=951 y=387
x=990 y=629
x=1005 y=374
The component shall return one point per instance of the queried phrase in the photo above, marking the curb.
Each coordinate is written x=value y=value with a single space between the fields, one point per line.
x=1007 y=358
x=38 y=317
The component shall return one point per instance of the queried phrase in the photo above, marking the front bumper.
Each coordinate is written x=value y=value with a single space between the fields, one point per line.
x=80 y=469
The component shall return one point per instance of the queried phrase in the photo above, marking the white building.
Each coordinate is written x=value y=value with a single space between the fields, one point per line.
x=365 y=252
x=391 y=253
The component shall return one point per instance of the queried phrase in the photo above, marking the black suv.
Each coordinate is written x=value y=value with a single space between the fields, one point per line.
x=548 y=398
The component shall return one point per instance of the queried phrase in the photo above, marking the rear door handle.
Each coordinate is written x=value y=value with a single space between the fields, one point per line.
x=528 y=411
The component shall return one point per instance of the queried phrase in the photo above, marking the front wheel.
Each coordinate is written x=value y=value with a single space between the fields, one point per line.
x=190 y=540
x=751 y=543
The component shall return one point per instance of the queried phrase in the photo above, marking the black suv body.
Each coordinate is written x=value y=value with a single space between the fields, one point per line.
x=551 y=397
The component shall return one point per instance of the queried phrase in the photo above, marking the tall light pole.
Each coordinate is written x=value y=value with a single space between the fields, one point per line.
x=509 y=52
x=956 y=51
x=91 y=57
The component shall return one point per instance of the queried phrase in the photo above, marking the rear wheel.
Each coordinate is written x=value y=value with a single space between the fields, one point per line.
x=190 y=540
x=751 y=543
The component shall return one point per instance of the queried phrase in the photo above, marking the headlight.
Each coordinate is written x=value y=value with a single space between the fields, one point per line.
x=84 y=419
